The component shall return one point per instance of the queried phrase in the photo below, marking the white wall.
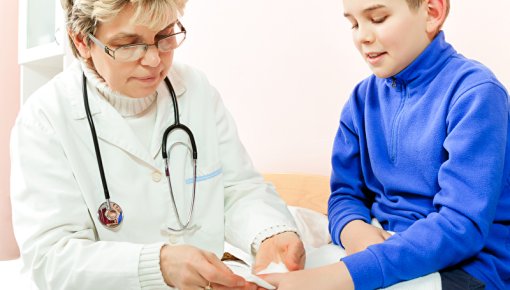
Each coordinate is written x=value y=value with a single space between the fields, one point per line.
x=285 y=68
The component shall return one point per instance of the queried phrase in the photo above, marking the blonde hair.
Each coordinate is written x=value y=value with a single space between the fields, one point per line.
x=83 y=16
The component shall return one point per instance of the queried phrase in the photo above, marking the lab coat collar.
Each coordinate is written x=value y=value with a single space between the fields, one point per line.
x=109 y=124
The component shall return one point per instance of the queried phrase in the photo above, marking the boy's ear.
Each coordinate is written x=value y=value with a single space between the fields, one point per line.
x=436 y=15
x=81 y=44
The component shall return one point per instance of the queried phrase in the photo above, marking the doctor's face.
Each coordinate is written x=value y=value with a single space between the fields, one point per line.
x=388 y=33
x=137 y=78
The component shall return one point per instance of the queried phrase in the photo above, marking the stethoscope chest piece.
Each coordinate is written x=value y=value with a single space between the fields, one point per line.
x=110 y=214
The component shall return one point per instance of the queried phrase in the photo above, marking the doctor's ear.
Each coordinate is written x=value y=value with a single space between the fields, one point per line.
x=437 y=10
x=81 y=44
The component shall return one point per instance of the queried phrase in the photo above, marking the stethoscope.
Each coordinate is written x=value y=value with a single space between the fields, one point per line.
x=110 y=213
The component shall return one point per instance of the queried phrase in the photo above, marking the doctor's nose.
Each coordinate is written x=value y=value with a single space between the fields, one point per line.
x=151 y=57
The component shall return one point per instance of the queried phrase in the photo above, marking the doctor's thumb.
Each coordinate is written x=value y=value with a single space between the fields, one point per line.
x=295 y=257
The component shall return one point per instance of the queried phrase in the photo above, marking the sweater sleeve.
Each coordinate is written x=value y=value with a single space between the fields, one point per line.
x=349 y=200
x=470 y=183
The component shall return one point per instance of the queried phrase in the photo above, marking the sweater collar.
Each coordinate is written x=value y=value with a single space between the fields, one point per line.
x=126 y=106
x=75 y=93
x=426 y=66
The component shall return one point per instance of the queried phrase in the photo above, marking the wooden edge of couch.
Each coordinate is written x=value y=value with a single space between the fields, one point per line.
x=304 y=190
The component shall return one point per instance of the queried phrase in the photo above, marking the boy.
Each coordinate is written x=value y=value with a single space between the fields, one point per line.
x=422 y=147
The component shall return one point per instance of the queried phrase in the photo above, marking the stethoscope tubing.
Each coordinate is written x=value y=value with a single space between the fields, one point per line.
x=178 y=126
x=95 y=139
x=106 y=209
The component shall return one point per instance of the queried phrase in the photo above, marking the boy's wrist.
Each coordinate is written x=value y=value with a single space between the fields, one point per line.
x=349 y=230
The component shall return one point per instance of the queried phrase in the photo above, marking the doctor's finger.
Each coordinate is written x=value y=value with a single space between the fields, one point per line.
x=218 y=273
x=248 y=286
x=211 y=258
x=294 y=258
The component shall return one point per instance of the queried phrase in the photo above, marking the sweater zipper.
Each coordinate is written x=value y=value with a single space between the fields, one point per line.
x=396 y=120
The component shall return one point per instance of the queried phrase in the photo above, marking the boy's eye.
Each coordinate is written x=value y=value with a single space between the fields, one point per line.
x=379 y=19
x=354 y=24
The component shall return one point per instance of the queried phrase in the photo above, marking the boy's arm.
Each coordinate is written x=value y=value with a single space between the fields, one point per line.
x=349 y=198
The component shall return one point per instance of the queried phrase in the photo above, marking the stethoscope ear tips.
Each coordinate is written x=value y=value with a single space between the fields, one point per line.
x=110 y=214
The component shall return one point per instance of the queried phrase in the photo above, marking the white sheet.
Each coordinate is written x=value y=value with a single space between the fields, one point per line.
x=313 y=229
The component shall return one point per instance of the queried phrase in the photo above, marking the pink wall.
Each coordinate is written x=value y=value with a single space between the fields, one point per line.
x=9 y=82
x=285 y=68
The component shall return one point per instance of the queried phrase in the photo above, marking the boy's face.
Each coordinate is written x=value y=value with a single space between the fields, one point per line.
x=387 y=33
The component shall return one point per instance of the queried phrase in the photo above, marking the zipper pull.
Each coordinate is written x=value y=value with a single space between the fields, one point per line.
x=394 y=82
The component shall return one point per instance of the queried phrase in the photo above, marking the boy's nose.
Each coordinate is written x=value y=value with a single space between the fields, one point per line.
x=364 y=35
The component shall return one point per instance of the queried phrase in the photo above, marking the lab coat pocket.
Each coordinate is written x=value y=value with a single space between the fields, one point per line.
x=204 y=174
x=209 y=185
x=209 y=206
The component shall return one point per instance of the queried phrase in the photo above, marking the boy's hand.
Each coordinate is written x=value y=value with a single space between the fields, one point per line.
x=285 y=247
x=357 y=235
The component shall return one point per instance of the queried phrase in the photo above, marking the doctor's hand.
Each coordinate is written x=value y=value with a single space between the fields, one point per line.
x=357 y=235
x=186 y=267
x=285 y=247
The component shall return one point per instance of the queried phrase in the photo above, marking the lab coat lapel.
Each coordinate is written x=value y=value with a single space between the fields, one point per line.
x=112 y=128
x=109 y=124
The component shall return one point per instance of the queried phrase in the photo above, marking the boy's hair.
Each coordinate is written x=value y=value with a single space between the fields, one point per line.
x=414 y=4
x=83 y=16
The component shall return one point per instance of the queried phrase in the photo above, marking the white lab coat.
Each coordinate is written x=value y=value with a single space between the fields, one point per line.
x=56 y=186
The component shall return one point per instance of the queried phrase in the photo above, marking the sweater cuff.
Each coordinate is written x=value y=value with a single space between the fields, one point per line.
x=365 y=270
x=268 y=233
x=149 y=271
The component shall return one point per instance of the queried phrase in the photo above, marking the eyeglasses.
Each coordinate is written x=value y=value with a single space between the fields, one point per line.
x=132 y=52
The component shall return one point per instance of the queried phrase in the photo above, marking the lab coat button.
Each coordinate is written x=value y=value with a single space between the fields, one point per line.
x=156 y=176
x=173 y=240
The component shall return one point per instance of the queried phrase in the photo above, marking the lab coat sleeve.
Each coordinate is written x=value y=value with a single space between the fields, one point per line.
x=52 y=224
x=252 y=206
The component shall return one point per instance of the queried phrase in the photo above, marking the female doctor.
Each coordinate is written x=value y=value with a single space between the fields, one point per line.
x=127 y=171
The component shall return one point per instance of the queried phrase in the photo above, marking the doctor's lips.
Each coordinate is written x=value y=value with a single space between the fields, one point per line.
x=147 y=79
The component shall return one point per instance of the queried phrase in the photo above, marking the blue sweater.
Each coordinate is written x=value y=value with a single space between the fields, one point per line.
x=425 y=152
